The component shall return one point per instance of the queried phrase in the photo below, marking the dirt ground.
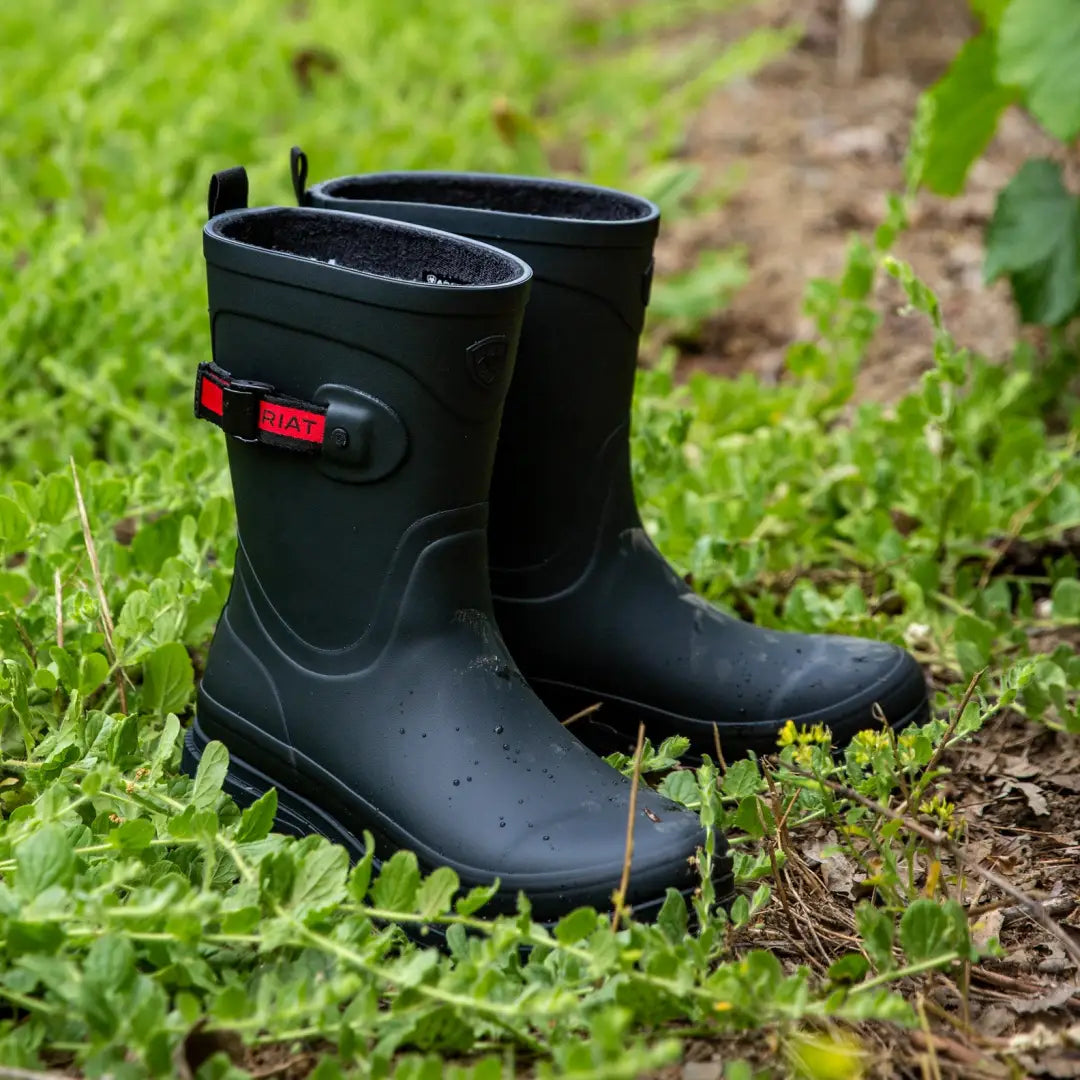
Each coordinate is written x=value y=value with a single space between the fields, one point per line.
x=817 y=158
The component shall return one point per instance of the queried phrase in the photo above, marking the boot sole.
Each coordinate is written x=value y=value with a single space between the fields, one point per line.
x=566 y=699
x=298 y=816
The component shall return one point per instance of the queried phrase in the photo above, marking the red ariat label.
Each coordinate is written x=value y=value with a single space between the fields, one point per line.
x=291 y=423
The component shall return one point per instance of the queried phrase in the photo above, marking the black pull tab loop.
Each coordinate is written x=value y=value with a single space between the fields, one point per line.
x=298 y=166
x=228 y=191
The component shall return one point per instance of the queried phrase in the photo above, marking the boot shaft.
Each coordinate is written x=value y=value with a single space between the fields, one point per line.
x=563 y=467
x=405 y=339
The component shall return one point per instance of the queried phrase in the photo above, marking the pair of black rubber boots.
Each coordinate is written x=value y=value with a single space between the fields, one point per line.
x=440 y=557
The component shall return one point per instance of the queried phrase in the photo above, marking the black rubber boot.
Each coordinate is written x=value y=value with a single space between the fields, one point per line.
x=360 y=367
x=588 y=606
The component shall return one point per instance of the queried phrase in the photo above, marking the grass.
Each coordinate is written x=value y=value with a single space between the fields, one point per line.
x=147 y=927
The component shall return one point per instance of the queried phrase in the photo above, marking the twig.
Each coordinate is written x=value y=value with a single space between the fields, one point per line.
x=785 y=903
x=24 y=637
x=103 y=603
x=719 y=752
x=942 y=746
x=58 y=589
x=937 y=838
x=931 y=1042
x=582 y=713
x=778 y=842
x=619 y=899
x=935 y=1068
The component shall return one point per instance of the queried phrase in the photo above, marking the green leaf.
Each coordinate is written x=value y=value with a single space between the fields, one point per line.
x=320 y=879
x=681 y=786
x=42 y=860
x=850 y=968
x=123 y=741
x=33 y=937
x=14 y=524
x=925 y=931
x=989 y=11
x=1034 y=238
x=876 y=931
x=110 y=965
x=360 y=877
x=580 y=923
x=170 y=734
x=740 y=911
x=673 y=918
x=476 y=898
x=134 y=835
x=437 y=892
x=258 y=819
x=277 y=876
x=13 y=587
x=168 y=679
x=742 y=778
x=210 y=775
x=1065 y=598
x=966 y=103
x=93 y=670
x=396 y=886
x=1039 y=42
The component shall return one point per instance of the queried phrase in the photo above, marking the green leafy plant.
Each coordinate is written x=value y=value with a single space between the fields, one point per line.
x=1025 y=54
x=148 y=926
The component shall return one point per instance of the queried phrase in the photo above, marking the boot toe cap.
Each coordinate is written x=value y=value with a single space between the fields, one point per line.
x=844 y=679
x=577 y=856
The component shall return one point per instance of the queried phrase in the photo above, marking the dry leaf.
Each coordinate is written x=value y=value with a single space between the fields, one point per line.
x=1019 y=768
x=986 y=927
x=836 y=869
x=1035 y=798
x=1055 y=999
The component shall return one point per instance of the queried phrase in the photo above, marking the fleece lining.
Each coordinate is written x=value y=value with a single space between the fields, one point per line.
x=539 y=198
x=383 y=248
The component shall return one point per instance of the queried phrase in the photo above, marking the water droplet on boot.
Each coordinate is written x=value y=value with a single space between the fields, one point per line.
x=499 y=729
x=457 y=783
x=468 y=779
x=401 y=731
x=545 y=837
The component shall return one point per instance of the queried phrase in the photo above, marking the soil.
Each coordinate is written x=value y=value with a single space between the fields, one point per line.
x=817 y=158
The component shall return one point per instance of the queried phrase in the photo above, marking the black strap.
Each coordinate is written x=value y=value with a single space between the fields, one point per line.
x=252 y=412
x=228 y=191
x=298 y=171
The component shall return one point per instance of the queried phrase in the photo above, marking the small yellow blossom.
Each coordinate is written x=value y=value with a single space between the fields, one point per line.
x=790 y=735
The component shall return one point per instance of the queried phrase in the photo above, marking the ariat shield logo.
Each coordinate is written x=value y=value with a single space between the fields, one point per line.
x=487 y=358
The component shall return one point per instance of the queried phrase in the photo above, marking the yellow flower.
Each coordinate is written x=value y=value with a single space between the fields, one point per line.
x=790 y=735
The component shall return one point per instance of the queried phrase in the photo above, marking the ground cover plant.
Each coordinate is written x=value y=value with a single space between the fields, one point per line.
x=1035 y=232
x=906 y=904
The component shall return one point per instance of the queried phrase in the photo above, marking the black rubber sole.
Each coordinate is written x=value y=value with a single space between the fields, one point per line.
x=299 y=816
x=612 y=727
